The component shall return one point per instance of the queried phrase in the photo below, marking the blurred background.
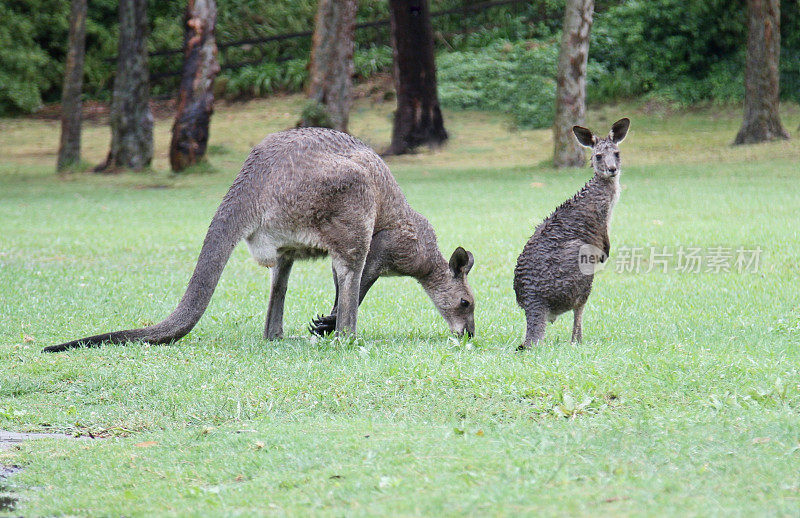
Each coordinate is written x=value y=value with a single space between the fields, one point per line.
x=500 y=56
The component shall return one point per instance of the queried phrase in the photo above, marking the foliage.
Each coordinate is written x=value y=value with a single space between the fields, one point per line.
x=684 y=52
x=29 y=62
x=672 y=50
x=516 y=78
x=315 y=114
x=265 y=79
x=680 y=51
x=506 y=77
x=372 y=60
x=790 y=50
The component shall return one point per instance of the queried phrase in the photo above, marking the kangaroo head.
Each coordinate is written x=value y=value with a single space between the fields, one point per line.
x=452 y=296
x=605 y=151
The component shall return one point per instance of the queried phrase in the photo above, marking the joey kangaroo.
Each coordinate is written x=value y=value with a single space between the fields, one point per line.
x=305 y=193
x=555 y=270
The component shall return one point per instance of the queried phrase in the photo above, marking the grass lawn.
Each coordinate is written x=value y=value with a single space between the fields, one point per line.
x=683 y=399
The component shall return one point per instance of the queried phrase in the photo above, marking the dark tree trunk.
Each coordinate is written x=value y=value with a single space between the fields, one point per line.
x=571 y=86
x=69 y=149
x=130 y=117
x=418 y=118
x=331 y=69
x=196 y=97
x=762 y=120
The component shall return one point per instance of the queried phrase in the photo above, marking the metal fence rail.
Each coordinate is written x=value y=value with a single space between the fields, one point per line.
x=256 y=42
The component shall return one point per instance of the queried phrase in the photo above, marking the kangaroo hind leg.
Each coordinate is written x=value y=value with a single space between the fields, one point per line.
x=325 y=324
x=577 y=325
x=373 y=267
x=273 y=328
x=536 y=318
x=348 y=274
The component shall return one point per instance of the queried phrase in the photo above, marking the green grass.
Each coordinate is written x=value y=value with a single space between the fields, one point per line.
x=683 y=399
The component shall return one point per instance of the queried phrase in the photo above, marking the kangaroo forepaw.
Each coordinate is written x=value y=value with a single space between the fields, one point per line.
x=322 y=325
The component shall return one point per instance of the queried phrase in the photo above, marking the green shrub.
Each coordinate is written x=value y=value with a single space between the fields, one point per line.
x=372 y=60
x=517 y=78
x=265 y=79
x=790 y=50
x=28 y=65
x=680 y=51
x=674 y=50
x=315 y=114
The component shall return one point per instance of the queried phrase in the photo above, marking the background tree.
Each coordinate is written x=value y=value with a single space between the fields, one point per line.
x=69 y=149
x=418 y=118
x=571 y=83
x=762 y=120
x=330 y=87
x=196 y=96
x=130 y=117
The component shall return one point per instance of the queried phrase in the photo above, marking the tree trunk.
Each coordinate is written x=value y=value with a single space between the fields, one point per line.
x=418 y=118
x=69 y=149
x=571 y=89
x=196 y=97
x=761 y=77
x=130 y=117
x=331 y=69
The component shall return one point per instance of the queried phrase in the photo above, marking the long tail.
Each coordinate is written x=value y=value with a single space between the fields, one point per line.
x=227 y=228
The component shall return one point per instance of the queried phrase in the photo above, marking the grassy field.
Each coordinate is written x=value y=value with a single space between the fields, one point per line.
x=684 y=398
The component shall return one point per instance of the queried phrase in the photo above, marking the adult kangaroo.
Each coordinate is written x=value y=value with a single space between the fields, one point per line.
x=306 y=193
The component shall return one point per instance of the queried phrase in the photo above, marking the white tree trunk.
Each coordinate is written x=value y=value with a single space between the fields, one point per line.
x=130 y=117
x=571 y=83
x=762 y=121
x=331 y=69
x=69 y=149
x=196 y=96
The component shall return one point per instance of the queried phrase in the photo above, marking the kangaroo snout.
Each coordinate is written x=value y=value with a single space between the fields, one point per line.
x=467 y=327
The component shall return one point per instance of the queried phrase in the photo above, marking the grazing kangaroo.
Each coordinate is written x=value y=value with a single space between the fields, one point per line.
x=305 y=193
x=555 y=270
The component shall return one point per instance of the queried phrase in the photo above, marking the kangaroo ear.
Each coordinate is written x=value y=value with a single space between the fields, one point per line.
x=461 y=262
x=584 y=136
x=619 y=130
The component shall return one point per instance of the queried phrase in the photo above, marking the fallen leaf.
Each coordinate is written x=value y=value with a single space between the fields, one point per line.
x=258 y=445
x=28 y=339
x=146 y=444
x=761 y=440
x=537 y=185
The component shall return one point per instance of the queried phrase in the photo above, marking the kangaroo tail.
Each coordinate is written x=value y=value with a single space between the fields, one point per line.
x=227 y=228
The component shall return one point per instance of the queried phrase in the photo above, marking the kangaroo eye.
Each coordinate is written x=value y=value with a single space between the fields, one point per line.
x=616 y=155
x=464 y=303
x=598 y=156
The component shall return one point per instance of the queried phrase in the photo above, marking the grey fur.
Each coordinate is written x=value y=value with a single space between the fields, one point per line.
x=307 y=193
x=548 y=279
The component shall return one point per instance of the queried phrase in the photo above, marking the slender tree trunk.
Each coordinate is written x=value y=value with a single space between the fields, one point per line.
x=131 y=119
x=196 y=97
x=418 y=118
x=762 y=120
x=331 y=70
x=571 y=83
x=69 y=149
